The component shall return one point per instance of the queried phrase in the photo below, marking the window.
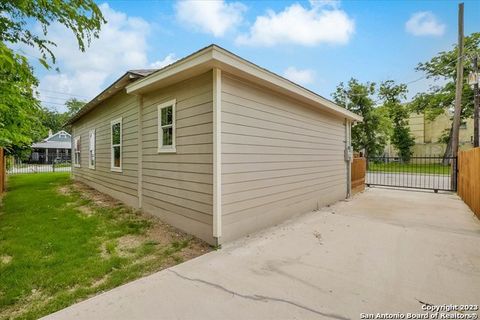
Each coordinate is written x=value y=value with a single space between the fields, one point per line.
x=116 y=156
x=463 y=125
x=91 y=149
x=76 y=150
x=166 y=126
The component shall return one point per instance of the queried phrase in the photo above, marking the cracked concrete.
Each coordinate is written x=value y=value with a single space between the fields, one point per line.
x=257 y=297
x=383 y=251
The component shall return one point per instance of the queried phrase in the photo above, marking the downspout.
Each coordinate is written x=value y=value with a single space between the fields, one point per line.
x=348 y=156
x=217 y=155
x=140 y=151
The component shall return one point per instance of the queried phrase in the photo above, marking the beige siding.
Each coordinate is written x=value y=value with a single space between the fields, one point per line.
x=178 y=186
x=120 y=185
x=279 y=158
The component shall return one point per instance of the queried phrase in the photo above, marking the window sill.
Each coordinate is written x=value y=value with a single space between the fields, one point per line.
x=91 y=168
x=116 y=169
x=167 y=150
x=77 y=166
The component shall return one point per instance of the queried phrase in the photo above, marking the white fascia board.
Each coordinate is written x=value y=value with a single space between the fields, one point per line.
x=228 y=59
x=214 y=56
x=195 y=60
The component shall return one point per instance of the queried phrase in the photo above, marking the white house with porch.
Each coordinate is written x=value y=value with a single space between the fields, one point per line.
x=55 y=148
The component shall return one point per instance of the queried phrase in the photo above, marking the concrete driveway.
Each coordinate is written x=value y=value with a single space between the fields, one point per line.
x=383 y=251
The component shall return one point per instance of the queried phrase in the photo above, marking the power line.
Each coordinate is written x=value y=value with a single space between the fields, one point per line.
x=413 y=81
x=65 y=93
x=51 y=102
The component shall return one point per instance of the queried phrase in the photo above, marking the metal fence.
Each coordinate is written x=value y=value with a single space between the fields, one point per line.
x=433 y=173
x=17 y=166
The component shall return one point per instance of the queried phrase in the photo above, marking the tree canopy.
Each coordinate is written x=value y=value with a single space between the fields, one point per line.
x=370 y=135
x=19 y=108
x=392 y=95
x=442 y=67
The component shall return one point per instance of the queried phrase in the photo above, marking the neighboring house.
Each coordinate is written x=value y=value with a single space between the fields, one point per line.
x=55 y=148
x=214 y=145
x=428 y=134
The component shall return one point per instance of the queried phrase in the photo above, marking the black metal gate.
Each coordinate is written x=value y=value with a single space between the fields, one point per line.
x=432 y=173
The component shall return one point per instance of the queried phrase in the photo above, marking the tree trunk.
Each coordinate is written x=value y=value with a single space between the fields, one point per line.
x=448 y=149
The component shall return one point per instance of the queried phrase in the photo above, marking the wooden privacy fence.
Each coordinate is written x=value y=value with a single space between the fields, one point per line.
x=359 y=167
x=469 y=178
x=2 y=171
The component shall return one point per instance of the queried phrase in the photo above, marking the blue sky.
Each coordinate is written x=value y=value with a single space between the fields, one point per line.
x=315 y=43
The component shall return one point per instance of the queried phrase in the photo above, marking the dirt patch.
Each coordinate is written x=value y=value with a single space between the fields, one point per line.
x=65 y=190
x=100 y=199
x=85 y=210
x=99 y=282
x=36 y=298
x=5 y=259
x=127 y=244
x=159 y=233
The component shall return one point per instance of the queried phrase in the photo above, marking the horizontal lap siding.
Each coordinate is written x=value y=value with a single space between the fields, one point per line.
x=279 y=157
x=120 y=185
x=178 y=186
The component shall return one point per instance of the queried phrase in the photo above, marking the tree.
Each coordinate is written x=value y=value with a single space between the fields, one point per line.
x=371 y=134
x=392 y=95
x=73 y=105
x=19 y=109
x=442 y=97
x=53 y=120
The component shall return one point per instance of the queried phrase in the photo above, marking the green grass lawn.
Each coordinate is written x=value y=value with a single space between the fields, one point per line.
x=409 y=168
x=59 y=246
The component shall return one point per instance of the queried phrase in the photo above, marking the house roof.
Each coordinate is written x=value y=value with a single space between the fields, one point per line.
x=116 y=86
x=213 y=56
x=53 y=143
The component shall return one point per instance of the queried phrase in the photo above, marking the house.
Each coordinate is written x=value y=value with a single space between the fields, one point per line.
x=55 y=148
x=428 y=134
x=214 y=145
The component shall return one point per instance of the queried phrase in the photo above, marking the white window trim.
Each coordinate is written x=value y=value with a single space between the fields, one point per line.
x=75 y=151
x=173 y=147
x=90 y=166
x=112 y=160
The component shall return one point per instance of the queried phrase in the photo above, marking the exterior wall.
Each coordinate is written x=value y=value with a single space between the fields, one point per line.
x=177 y=187
x=280 y=158
x=120 y=185
x=417 y=127
x=427 y=134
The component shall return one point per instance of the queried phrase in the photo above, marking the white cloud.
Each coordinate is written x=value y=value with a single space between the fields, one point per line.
x=215 y=17
x=169 y=59
x=300 y=76
x=122 y=45
x=424 y=23
x=324 y=22
x=325 y=3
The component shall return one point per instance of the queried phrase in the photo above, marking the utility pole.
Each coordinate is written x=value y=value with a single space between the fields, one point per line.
x=476 y=101
x=458 y=93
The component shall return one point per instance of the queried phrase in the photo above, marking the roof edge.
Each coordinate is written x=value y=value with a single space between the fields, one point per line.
x=115 y=87
x=216 y=56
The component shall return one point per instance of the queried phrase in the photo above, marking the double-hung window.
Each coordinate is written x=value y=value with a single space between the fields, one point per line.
x=91 y=149
x=76 y=150
x=166 y=126
x=116 y=145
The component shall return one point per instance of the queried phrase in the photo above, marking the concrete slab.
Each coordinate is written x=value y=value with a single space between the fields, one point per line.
x=383 y=251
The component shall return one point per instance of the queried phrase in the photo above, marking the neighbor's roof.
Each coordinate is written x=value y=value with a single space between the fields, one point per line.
x=53 y=145
x=204 y=60
x=118 y=85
